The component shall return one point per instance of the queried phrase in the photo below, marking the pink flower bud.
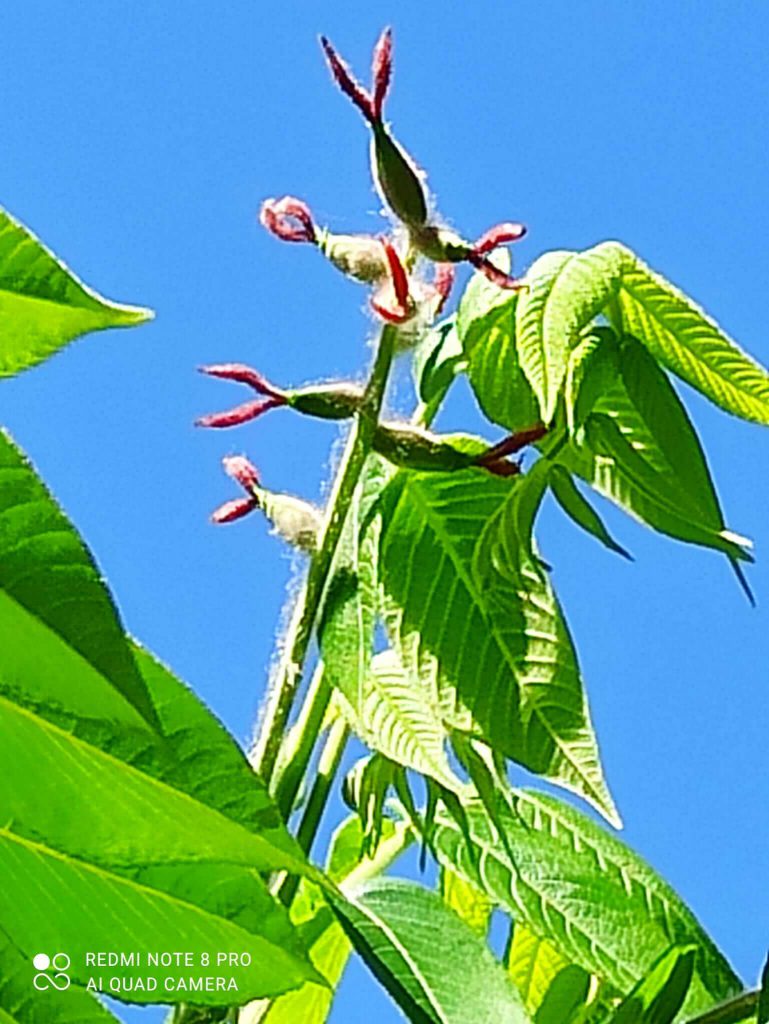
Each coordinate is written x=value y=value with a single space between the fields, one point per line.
x=242 y=470
x=346 y=82
x=288 y=219
x=381 y=70
x=242 y=374
x=232 y=510
x=240 y=414
x=500 y=234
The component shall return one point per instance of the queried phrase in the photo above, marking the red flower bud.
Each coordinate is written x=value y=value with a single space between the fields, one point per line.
x=240 y=414
x=393 y=301
x=381 y=70
x=242 y=374
x=242 y=470
x=346 y=82
x=500 y=234
x=232 y=510
x=288 y=219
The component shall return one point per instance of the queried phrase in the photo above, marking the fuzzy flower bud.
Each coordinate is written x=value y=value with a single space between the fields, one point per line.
x=271 y=397
x=358 y=256
x=288 y=219
x=240 y=469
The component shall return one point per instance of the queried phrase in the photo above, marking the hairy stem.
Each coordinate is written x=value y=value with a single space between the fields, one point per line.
x=305 y=614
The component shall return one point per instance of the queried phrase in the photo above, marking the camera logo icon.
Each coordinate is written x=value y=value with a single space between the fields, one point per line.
x=52 y=971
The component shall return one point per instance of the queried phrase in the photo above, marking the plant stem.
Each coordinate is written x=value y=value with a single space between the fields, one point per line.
x=731 y=1012
x=328 y=765
x=296 y=751
x=305 y=613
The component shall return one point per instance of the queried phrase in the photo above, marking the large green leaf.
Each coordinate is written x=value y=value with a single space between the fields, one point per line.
x=49 y=576
x=399 y=719
x=348 y=866
x=149 y=832
x=486 y=627
x=486 y=329
x=119 y=860
x=583 y=890
x=566 y=291
x=21 y=1002
x=664 y=506
x=686 y=340
x=43 y=306
x=413 y=943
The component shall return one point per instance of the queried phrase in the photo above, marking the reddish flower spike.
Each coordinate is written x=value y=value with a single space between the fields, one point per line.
x=289 y=219
x=346 y=82
x=381 y=71
x=240 y=414
x=242 y=470
x=242 y=374
x=401 y=309
x=230 y=511
x=500 y=234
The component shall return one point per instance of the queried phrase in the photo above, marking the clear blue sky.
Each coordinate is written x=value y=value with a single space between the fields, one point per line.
x=139 y=140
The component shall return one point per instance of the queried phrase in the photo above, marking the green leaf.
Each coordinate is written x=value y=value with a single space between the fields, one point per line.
x=686 y=340
x=486 y=329
x=580 y=510
x=51 y=579
x=467 y=901
x=21 y=1002
x=658 y=997
x=566 y=291
x=532 y=963
x=573 y=883
x=437 y=360
x=486 y=630
x=663 y=505
x=400 y=720
x=43 y=306
x=120 y=860
x=592 y=371
x=666 y=421
x=565 y=998
x=350 y=606
x=408 y=938
x=330 y=949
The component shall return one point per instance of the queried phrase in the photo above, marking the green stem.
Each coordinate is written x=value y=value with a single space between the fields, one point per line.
x=731 y=1012
x=328 y=765
x=284 y=690
x=295 y=754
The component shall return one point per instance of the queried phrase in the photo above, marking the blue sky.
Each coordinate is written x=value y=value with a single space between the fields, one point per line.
x=139 y=141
